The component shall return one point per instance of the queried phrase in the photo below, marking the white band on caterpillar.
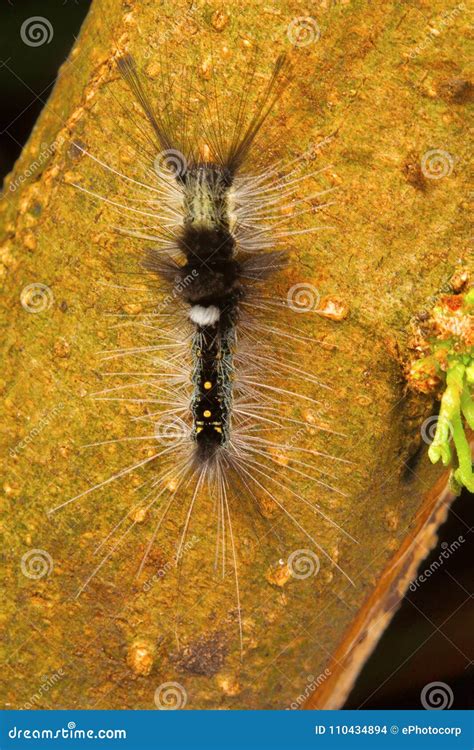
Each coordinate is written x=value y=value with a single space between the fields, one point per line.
x=204 y=316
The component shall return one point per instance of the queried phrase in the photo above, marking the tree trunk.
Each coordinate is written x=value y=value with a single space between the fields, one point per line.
x=390 y=91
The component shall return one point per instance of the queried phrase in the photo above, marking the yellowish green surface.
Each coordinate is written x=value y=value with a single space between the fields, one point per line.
x=391 y=92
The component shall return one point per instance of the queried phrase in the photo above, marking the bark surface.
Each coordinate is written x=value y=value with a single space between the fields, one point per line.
x=389 y=91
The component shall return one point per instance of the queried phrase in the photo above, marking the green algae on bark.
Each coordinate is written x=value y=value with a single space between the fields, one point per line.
x=450 y=365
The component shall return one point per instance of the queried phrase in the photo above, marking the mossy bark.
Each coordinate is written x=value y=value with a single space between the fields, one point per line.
x=389 y=90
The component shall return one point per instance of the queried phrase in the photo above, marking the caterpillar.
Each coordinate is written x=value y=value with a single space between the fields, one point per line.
x=215 y=224
x=208 y=241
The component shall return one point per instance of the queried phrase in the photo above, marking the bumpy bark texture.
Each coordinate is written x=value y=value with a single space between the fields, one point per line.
x=389 y=90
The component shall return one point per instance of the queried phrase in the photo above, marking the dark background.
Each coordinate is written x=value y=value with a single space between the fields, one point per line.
x=431 y=637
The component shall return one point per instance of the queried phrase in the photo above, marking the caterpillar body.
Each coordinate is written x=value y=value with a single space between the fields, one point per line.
x=209 y=245
x=214 y=357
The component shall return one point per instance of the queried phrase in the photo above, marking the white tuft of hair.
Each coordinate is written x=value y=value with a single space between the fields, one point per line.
x=204 y=316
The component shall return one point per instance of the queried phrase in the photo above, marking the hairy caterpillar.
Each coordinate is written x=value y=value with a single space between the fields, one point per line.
x=208 y=242
x=213 y=357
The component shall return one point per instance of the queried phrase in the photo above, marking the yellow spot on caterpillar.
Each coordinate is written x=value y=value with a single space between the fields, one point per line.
x=198 y=430
x=207 y=413
x=207 y=385
x=217 y=429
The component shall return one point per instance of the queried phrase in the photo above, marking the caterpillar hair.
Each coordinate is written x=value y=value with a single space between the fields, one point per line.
x=232 y=409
